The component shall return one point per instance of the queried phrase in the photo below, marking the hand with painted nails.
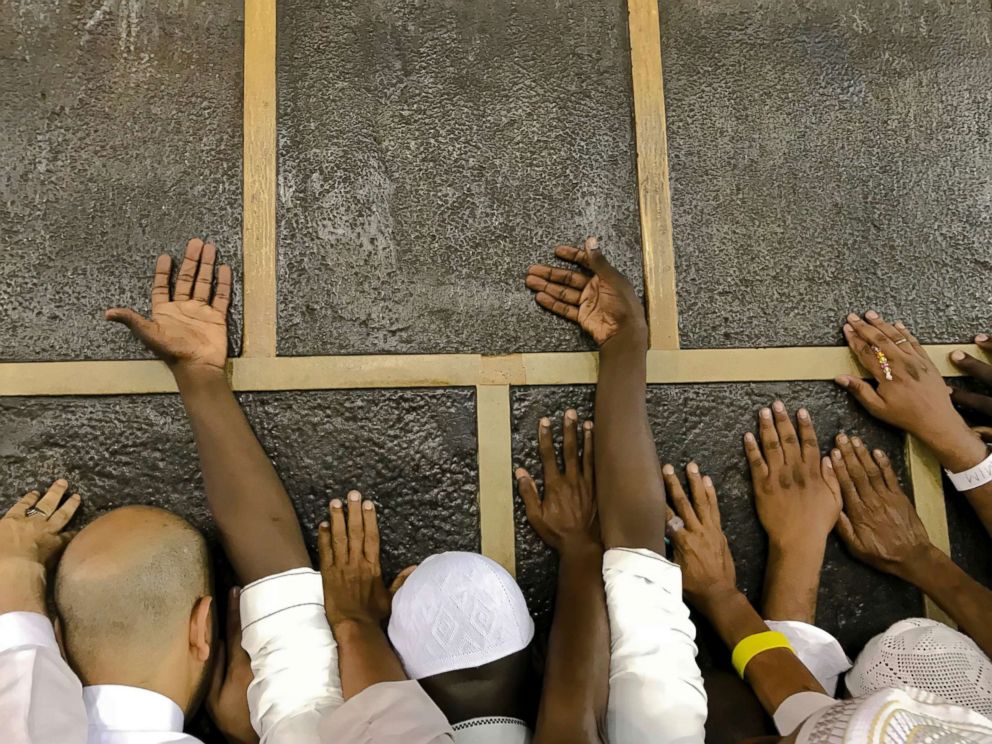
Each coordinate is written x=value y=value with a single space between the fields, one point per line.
x=879 y=523
x=795 y=491
x=31 y=531
x=911 y=394
x=227 y=698
x=603 y=304
x=349 y=564
x=566 y=517
x=699 y=545
x=188 y=327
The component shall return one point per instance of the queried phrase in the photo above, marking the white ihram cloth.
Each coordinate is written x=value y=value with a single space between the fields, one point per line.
x=656 y=688
x=293 y=656
x=458 y=611
x=43 y=702
x=819 y=651
x=929 y=656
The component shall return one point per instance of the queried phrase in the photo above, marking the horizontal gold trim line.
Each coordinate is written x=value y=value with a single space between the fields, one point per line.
x=446 y=370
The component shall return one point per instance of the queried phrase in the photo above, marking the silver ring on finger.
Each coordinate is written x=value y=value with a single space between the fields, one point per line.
x=32 y=511
x=901 y=341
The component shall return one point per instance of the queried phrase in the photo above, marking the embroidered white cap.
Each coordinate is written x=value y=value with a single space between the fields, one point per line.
x=458 y=611
x=929 y=656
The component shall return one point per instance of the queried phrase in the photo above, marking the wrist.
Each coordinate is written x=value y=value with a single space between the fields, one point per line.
x=716 y=598
x=923 y=565
x=193 y=375
x=580 y=546
x=956 y=446
x=24 y=582
x=631 y=338
x=351 y=627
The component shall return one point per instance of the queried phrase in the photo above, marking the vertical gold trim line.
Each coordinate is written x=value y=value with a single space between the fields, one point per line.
x=928 y=493
x=259 y=226
x=652 y=174
x=495 y=475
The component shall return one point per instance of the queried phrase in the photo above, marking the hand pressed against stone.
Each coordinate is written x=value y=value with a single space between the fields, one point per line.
x=879 y=523
x=31 y=530
x=981 y=371
x=566 y=517
x=699 y=545
x=189 y=328
x=916 y=398
x=795 y=490
x=227 y=698
x=603 y=304
x=349 y=564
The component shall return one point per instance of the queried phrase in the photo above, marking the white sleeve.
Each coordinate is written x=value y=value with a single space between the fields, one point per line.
x=41 y=700
x=819 y=651
x=796 y=708
x=656 y=688
x=293 y=656
x=387 y=713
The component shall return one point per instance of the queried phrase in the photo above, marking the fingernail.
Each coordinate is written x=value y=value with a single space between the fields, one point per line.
x=829 y=464
x=842 y=438
x=900 y=325
x=779 y=406
x=570 y=414
x=852 y=318
x=368 y=506
x=804 y=414
x=871 y=315
x=879 y=454
x=957 y=356
x=848 y=328
x=693 y=468
x=62 y=482
x=843 y=381
x=520 y=473
x=335 y=504
x=324 y=526
x=707 y=481
x=668 y=470
x=836 y=454
x=766 y=413
x=354 y=495
x=75 y=496
x=545 y=422
x=856 y=441
x=981 y=338
x=587 y=426
x=749 y=438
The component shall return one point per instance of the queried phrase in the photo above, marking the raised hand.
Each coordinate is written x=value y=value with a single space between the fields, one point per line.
x=227 y=698
x=879 y=524
x=603 y=304
x=566 y=516
x=795 y=491
x=349 y=564
x=188 y=328
x=700 y=547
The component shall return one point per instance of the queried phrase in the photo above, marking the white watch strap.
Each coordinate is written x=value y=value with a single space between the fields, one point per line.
x=973 y=477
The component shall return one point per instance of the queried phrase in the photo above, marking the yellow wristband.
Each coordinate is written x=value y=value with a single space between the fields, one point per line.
x=755 y=644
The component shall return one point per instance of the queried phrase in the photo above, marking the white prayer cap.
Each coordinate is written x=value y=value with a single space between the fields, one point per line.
x=907 y=716
x=458 y=611
x=929 y=656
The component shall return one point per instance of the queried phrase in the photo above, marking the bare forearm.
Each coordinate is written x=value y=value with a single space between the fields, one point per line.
x=365 y=657
x=628 y=481
x=576 y=680
x=258 y=526
x=792 y=580
x=773 y=675
x=22 y=587
x=968 y=603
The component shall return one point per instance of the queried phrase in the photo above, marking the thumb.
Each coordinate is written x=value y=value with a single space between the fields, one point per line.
x=863 y=392
x=596 y=260
x=139 y=325
x=401 y=578
x=528 y=492
x=845 y=529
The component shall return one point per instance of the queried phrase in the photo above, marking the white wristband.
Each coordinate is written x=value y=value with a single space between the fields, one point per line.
x=973 y=477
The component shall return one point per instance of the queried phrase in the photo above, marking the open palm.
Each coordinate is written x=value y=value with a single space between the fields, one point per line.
x=186 y=328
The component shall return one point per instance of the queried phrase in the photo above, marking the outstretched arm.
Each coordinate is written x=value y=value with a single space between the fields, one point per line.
x=630 y=496
x=881 y=528
x=576 y=677
x=188 y=331
x=913 y=396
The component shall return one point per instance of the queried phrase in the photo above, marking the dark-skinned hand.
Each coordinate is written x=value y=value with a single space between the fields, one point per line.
x=566 y=516
x=349 y=564
x=795 y=490
x=879 y=524
x=227 y=698
x=189 y=327
x=699 y=547
x=604 y=303
x=981 y=371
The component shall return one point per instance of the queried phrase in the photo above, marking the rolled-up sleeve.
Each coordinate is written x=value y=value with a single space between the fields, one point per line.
x=41 y=700
x=656 y=688
x=293 y=656
x=387 y=713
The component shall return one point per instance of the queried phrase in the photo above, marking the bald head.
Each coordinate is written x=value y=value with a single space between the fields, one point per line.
x=126 y=587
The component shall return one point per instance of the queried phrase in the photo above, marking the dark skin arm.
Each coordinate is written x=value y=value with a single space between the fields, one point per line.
x=798 y=502
x=881 y=527
x=355 y=598
x=916 y=398
x=630 y=496
x=188 y=331
x=576 y=678
x=710 y=583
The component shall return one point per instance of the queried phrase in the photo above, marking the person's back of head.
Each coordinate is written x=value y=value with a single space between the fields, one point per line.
x=460 y=626
x=133 y=594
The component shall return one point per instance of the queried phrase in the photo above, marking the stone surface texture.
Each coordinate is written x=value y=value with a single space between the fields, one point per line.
x=429 y=152
x=121 y=137
x=828 y=156
x=706 y=423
